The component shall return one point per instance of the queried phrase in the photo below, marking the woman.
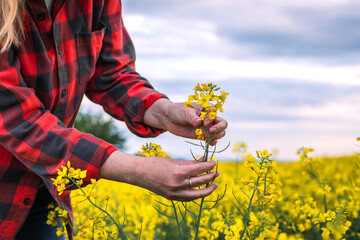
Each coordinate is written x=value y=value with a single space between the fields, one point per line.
x=52 y=53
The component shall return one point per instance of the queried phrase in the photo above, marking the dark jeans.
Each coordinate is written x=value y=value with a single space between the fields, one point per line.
x=35 y=227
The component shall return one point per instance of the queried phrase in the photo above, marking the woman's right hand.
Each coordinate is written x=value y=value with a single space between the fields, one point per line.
x=164 y=176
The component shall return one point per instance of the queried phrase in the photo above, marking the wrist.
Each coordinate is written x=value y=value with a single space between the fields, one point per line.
x=158 y=113
x=121 y=167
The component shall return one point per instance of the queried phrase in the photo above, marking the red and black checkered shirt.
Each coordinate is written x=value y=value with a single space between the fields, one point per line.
x=80 y=48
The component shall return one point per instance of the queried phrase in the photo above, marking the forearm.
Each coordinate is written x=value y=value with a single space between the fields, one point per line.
x=120 y=167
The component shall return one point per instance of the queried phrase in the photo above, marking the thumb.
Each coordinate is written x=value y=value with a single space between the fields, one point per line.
x=193 y=118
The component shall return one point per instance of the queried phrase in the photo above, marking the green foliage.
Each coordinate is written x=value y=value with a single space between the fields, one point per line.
x=101 y=128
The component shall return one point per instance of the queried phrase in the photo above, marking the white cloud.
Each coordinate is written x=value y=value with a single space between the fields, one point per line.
x=328 y=138
x=154 y=36
x=308 y=125
x=344 y=109
x=331 y=128
x=318 y=30
x=218 y=69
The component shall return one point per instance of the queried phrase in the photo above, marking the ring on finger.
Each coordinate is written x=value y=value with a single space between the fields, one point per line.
x=190 y=182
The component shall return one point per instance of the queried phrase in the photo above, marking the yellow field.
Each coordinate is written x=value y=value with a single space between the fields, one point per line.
x=314 y=198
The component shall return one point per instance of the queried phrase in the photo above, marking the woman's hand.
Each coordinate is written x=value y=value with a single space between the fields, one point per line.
x=181 y=121
x=164 y=176
x=167 y=177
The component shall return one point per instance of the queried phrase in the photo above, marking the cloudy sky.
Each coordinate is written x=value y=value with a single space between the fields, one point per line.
x=291 y=67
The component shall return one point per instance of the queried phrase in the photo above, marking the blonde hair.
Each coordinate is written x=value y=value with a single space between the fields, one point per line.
x=11 y=23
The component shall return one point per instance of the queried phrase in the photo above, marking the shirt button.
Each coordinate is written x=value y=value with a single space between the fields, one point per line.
x=27 y=201
x=41 y=16
x=59 y=49
x=63 y=93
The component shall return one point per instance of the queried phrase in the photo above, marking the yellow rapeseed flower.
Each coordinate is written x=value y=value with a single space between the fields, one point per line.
x=206 y=95
x=152 y=150
x=199 y=134
x=67 y=175
x=212 y=115
x=325 y=233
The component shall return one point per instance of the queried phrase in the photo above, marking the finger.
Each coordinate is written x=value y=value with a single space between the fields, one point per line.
x=199 y=167
x=192 y=117
x=188 y=162
x=201 y=159
x=197 y=107
x=184 y=116
x=208 y=123
x=213 y=142
x=219 y=135
x=197 y=181
x=219 y=124
x=216 y=137
x=192 y=194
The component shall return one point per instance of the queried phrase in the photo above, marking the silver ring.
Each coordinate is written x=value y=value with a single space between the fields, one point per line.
x=190 y=182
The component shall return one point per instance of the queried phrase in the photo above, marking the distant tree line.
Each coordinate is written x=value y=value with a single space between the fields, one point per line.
x=101 y=128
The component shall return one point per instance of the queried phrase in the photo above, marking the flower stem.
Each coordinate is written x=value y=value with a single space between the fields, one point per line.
x=176 y=217
x=121 y=231
x=250 y=201
x=202 y=199
x=313 y=174
x=198 y=219
x=262 y=202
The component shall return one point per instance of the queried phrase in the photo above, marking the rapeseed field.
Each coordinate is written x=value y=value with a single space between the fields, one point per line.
x=312 y=198
x=257 y=198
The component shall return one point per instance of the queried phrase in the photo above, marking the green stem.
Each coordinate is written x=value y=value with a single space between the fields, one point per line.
x=207 y=144
x=250 y=201
x=176 y=217
x=202 y=199
x=198 y=219
x=262 y=202
x=104 y=211
x=313 y=174
x=237 y=160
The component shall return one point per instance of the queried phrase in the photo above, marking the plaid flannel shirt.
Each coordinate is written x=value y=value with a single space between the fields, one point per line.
x=80 y=48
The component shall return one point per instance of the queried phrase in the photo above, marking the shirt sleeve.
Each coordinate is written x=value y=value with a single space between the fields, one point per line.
x=116 y=85
x=37 y=137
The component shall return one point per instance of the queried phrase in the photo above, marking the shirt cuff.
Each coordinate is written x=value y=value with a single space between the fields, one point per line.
x=89 y=154
x=134 y=115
